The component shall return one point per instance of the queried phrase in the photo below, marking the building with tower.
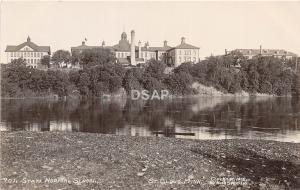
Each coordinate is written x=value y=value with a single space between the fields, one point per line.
x=29 y=51
x=128 y=53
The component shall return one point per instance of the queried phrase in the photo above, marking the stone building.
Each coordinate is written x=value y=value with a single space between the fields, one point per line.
x=29 y=51
x=250 y=53
x=183 y=53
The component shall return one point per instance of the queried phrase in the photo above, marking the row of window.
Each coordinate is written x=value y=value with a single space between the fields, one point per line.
x=122 y=54
x=32 y=61
x=145 y=55
x=26 y=54
x=187 y=52
x=125 y=54
x=187 y=59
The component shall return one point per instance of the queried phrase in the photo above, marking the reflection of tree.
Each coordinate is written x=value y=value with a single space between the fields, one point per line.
x=230 y=115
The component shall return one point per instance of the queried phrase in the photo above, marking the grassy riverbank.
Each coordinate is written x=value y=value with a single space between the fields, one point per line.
x=47 y=160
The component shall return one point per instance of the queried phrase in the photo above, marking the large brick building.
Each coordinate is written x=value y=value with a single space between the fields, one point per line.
x=29 y=51
x=128 y=53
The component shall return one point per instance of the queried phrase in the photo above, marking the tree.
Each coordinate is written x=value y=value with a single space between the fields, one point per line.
x=61 y=57
x=131 y=80
x=155 y=69
x=180 y=83
x=96 y=56
x=46 y=60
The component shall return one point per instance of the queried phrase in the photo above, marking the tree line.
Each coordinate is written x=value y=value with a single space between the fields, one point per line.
x=101 y=74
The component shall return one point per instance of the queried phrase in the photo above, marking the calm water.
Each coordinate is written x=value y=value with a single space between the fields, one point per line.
x=201 y=118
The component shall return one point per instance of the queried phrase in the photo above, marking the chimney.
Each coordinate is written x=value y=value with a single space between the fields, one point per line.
x=140 y=49
x=182 y=40
x=260 y=49
x=146 y=54
x=83 y=43
x=132 y=48
x=225 y=51
x=103 y=43
x=165 y=43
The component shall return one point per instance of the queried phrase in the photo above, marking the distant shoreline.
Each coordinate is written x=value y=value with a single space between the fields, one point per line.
x=126 y=97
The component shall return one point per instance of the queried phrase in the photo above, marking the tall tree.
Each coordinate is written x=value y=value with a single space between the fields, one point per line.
x=46 y=60
x=61 y=56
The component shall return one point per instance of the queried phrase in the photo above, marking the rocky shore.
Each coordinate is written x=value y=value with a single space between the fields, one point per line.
x=48 y=160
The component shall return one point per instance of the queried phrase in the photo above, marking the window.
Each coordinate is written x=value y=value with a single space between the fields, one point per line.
x=179 y=52
x=34 y=54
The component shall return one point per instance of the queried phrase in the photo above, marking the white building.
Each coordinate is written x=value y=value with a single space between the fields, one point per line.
x=28 y=51
x=183 y=53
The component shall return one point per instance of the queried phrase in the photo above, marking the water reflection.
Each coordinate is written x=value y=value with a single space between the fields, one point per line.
x=193 y=118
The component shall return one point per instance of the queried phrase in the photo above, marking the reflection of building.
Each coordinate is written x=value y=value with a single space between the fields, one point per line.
x=250 y=53
x=134 y=131
x=63 y=126
x=29 y=51
x=33 y=127
x=128 y=53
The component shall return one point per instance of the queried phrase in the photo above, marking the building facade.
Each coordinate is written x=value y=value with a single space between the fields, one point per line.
x=128 y=53
x=183 y=53
x=28 y=51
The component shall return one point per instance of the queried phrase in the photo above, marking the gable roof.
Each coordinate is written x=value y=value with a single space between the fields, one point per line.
x=165 y=48
x=83 y=47
x=11 y=48
x=185 y=46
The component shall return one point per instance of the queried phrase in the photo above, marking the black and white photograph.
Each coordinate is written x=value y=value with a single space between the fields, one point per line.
x=154 y=95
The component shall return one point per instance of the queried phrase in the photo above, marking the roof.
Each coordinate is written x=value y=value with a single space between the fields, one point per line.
x=185 y=46
x=123 y=45
x=164 y=48
x=12 y=48
x=83 y=47
x=269 y=52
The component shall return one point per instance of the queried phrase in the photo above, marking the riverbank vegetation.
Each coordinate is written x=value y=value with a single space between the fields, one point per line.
x=101 y=75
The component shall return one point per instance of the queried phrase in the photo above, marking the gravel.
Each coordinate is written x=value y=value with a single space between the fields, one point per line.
x=58 y=160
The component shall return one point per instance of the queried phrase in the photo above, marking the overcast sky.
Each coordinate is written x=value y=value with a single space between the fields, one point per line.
x=212 y=26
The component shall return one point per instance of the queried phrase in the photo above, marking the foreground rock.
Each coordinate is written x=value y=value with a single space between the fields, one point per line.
x=93 y=161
